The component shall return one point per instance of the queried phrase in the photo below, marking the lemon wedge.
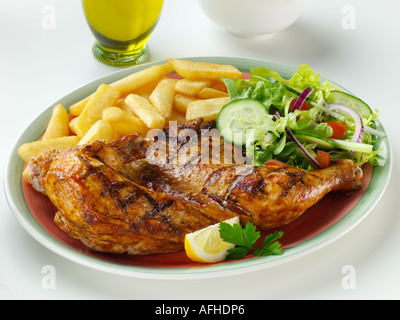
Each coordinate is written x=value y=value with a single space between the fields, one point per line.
x=205 y=245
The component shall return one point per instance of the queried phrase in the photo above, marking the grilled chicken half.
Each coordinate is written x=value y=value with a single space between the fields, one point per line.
x=137 y=196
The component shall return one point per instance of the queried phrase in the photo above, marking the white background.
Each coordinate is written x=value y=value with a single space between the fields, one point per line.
x=38 y=66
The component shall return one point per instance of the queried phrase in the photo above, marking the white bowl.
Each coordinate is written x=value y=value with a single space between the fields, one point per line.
x=252 y=18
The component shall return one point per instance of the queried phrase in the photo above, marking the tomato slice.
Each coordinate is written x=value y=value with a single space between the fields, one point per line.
x=323 y=158
x=304 y=105
x=339 y=129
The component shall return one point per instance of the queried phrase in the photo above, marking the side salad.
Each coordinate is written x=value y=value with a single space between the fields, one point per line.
x=299 y=121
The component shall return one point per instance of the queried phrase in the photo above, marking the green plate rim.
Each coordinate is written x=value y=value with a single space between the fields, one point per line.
x=16 y=201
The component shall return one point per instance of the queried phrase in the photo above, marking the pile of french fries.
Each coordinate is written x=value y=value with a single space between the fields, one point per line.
x=148 y=99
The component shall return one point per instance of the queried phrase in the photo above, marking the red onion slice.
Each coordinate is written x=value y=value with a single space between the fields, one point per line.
x=359 y=126
x=300 y=100
x=298 y=143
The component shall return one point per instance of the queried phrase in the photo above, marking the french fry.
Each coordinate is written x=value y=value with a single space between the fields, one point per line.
x=123 y=122
x=33 y=149
x=121 y=103
x=146 y=90
x=162 y=97
x=105 y=96
x=58 y=124
x=175 y=117
x=117 y=136
x=101 y=130
x=127 y=109
x=129 y=84
x=220 y=86
x=210 y=93
x=77 y=108
x=204 y=70
x=71 y=124
x=141 y=78
x=145 y=111
x=182 y=101
x=206 y=109
x=191 y=87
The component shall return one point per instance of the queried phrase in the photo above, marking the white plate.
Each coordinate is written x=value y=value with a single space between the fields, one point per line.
x=16 y=199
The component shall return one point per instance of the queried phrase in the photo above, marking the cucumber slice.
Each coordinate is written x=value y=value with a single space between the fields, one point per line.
x=238 y=116
x=352 y=102
x=321 y=142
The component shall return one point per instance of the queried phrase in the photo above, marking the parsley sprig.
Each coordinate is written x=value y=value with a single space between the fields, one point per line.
x=245 y=239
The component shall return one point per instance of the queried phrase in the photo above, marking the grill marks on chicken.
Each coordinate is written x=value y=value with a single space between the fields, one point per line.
x=111 y=213
x=120 y=198
x=268 y=196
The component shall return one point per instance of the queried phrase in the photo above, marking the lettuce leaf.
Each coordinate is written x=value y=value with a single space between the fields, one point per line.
x=305 y=77
x=266 y=92
x=263 y=73
x=308 y=124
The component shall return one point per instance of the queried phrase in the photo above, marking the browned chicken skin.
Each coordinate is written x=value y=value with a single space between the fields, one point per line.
x=120 y=197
